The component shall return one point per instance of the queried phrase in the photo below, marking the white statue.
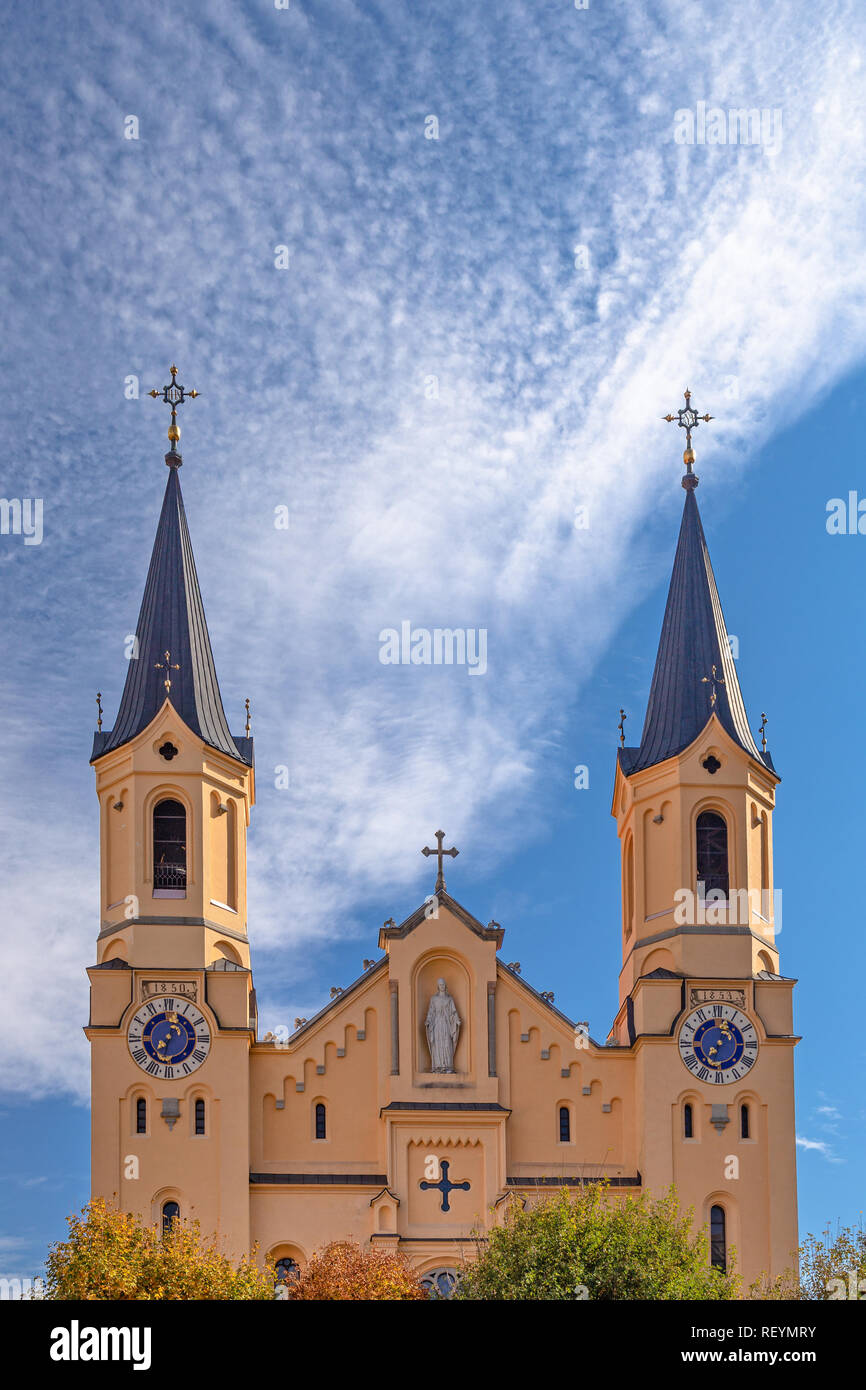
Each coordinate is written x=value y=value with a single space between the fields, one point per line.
x=442 y=1026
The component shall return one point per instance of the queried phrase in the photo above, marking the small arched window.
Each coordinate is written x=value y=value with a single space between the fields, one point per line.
x=141 y=1116
x=321 y=1126
x=744 y=1122
x=170 y=1214
x=199 y=1116
x=718 y=1243
x=287 y=1270
x=711 y=836
x=688 y=1122
x=564 y=1125
x=169 y=850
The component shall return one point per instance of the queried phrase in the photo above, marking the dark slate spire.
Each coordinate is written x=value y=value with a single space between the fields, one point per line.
x=694 y=639
x=172 y=620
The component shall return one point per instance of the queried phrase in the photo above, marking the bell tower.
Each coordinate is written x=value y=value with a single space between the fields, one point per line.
x=694 y=801
x=172 y=1005
x=703 y=1007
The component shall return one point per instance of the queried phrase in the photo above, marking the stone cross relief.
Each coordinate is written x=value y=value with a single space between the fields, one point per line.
x=442 y=1026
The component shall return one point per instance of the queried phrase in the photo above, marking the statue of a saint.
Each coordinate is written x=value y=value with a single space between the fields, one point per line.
x=442 y=1026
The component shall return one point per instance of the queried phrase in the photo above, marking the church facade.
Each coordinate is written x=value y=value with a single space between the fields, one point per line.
x=440 y=1087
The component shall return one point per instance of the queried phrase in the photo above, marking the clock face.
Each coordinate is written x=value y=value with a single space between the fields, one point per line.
x=169 y=1038
x=718 y=1043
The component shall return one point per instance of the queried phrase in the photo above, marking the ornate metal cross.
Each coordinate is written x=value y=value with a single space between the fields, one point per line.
x=621 y=726
x=761 y=731
x=445 y=1185
x=174 y=396
x=168 y=666
x=713 y=680
x=688 y=419
x=440 y=854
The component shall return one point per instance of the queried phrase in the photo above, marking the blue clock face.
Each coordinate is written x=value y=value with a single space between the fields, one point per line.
x=718 y=1043
x=169 y=1038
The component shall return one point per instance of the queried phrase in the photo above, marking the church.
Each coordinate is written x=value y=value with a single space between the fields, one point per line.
x=440 y=1087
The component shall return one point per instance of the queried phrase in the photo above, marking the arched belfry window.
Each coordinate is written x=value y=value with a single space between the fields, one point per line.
x=170 y=1214
x=141 y=1116
x=199 y=1116
x=718 y=1239
x=711 y=835
x=169 y=850
x=688 y=1122
x=745 y=1127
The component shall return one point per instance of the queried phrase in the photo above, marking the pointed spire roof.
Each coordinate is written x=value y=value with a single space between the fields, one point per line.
x=693 y=641
x=172 y=620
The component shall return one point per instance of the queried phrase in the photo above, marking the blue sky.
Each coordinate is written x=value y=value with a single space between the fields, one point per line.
x=563 y=268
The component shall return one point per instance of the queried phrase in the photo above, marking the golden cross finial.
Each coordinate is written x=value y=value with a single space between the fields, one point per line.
x=621 y=726
x=688 y=419
x=99 y=708
x=713 y=680
x=440 y=853
x=174 y=396
x=168 y=666
x=247 y=706
x=761 y=731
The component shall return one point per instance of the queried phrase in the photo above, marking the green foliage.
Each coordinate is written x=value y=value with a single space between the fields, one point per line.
x=827 y=1268
x=591 y=1243
x=111 y=1254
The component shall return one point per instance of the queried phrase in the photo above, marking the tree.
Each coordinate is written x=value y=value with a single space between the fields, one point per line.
x=342 y=1270
x=585 y=1243
x=112 y=1254
x=828 y=1269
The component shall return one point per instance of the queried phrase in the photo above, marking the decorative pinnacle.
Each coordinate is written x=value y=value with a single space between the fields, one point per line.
x=763 y=732
x=99 y=708
x=621 y=726
x=247 y=707
x=688 y=420
x=174 y=396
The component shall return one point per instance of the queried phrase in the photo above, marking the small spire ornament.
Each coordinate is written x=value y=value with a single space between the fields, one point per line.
x=168 y=666
x=621 y=726
x=174 y=396
x=688 y=419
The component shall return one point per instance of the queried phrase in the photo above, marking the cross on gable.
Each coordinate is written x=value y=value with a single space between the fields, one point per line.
x=440 y=854
x=444 y=1185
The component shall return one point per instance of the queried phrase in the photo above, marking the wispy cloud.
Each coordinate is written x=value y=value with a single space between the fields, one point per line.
x=819 y=1146
x=447 y=502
